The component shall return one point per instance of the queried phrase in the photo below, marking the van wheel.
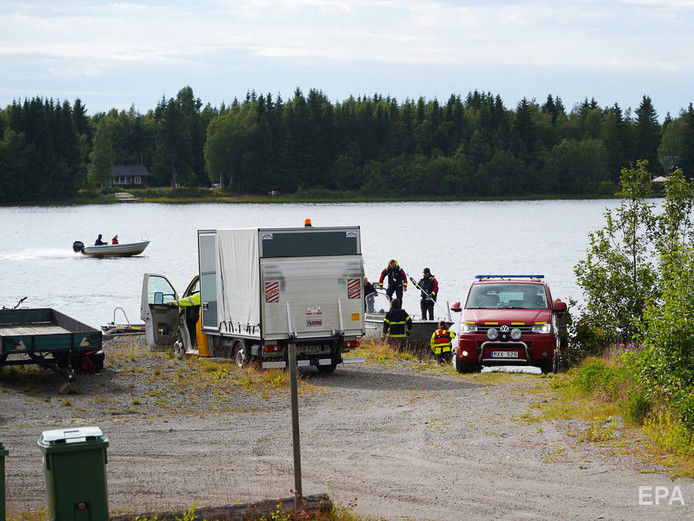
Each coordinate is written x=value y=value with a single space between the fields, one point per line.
x=326 y=369
x=178 y=348
x=463 y=367
x=549 y=367
x=240 y=354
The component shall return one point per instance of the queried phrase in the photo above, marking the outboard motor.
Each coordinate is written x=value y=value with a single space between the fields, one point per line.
x=78 y=246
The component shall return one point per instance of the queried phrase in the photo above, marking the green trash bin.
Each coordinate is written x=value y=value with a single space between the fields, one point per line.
x=75 y=469
x=3 y=452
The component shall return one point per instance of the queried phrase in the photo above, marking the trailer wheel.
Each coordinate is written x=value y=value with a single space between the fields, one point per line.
x=240 y=354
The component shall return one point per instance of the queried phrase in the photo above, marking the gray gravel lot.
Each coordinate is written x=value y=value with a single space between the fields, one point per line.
x=407 y=441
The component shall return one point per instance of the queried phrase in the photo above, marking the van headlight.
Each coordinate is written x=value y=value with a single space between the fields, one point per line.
x=468 y=328
x=492 y=333
x=542 y=328
x=515 y=333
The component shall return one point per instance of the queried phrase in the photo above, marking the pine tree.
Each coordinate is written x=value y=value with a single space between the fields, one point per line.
x=647 y=133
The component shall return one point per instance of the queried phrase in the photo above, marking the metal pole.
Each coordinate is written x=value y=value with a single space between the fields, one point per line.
x=295 y=424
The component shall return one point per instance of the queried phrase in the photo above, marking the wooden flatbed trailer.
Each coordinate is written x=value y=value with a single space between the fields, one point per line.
x=50 y=339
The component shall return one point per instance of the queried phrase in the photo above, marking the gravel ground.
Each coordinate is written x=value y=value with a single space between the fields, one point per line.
x=407 y=441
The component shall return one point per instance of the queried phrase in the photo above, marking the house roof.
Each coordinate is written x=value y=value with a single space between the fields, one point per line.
x=660 y=179
x=121 y=170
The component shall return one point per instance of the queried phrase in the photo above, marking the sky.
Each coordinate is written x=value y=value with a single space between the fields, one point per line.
x=120 y=54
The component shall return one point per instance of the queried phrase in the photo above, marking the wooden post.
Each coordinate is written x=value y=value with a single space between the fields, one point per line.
x=293 y=385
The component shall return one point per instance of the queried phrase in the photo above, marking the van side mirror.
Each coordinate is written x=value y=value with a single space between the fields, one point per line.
x=158 y=297
x=456 y=307
x=559 y=307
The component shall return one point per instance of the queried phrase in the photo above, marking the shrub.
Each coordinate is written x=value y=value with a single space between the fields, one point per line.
x=593 y=376
x=639 y=406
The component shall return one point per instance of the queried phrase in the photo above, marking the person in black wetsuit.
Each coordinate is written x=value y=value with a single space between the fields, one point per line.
x=397 y=280
x=429 y=288
x=99 y=242
x=397 y=325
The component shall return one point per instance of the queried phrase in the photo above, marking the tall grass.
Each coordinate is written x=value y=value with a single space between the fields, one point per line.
x=599 y=389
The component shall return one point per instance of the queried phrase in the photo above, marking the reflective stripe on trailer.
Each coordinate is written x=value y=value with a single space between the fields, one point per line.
x=353 y=288
x=272 y=291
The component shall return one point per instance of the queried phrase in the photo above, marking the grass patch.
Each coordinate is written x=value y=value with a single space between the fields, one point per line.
x=381 y=353
x=280 y=512
x=603 y=391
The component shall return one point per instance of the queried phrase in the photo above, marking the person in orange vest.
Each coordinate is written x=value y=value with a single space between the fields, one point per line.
x=441 y=344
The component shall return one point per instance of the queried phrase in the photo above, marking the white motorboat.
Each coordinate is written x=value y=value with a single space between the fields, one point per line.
x=110 y=250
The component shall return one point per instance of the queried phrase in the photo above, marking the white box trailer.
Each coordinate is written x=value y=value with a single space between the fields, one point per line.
x=263 y=288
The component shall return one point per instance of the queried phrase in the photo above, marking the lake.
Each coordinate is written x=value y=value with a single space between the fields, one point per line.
x=456 y=240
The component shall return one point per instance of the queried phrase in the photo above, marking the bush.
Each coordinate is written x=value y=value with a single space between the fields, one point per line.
x=639 y=406
x=593 y=376
x=684 y=408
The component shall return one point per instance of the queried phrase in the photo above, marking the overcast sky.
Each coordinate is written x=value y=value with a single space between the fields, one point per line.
x=115 y=54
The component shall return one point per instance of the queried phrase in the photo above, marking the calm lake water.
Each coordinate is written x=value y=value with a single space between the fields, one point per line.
x=456 y=240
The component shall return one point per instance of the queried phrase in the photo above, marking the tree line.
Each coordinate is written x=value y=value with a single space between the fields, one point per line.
x=465 y=147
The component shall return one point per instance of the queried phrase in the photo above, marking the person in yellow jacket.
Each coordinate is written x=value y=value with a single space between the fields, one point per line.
x=440 y=343
x=186 y=302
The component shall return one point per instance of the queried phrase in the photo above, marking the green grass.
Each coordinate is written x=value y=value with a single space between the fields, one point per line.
x=619 y=413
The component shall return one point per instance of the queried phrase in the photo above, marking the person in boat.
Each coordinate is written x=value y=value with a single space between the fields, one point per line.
x=369 y=295
x=397 y=280
x=307 y=223
x=429 y=288
x=114 y=240
x=397 y=325
x=441 y=344
x=99 y=242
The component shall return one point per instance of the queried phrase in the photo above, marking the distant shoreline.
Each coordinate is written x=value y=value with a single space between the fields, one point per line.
x=202 y=196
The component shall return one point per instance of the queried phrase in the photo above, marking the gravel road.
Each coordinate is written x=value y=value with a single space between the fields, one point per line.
x=408 y=441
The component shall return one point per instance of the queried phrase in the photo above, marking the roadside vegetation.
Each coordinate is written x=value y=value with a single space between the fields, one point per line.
x=633 y=340
x=323 y=510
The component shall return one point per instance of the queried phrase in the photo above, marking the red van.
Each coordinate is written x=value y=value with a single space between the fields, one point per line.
x=508 y=319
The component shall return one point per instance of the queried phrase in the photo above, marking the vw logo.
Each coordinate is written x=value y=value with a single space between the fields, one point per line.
x=504 y=329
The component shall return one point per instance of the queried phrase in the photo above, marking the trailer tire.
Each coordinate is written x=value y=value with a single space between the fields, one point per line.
x=240 y=354
x=98 y=360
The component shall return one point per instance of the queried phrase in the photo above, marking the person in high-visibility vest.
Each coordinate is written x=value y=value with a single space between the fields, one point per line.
x=441 y=344
x=186 y=302
x=397 y=324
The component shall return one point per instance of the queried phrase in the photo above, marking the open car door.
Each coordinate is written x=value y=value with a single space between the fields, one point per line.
x=161 y=321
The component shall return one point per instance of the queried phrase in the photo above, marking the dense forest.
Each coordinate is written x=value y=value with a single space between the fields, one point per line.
x=465 y=147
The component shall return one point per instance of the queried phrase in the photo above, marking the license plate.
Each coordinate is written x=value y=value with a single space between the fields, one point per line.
x=311 y=349
x=504 y=354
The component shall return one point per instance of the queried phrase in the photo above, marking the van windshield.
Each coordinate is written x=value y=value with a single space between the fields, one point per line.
x=507 y=296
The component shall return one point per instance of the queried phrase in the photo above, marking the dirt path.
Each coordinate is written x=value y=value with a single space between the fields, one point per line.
x=406 y=443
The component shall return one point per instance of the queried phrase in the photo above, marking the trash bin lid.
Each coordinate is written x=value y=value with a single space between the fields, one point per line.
x=76 y=435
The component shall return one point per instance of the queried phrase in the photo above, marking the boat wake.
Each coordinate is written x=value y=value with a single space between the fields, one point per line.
x=41 y=254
